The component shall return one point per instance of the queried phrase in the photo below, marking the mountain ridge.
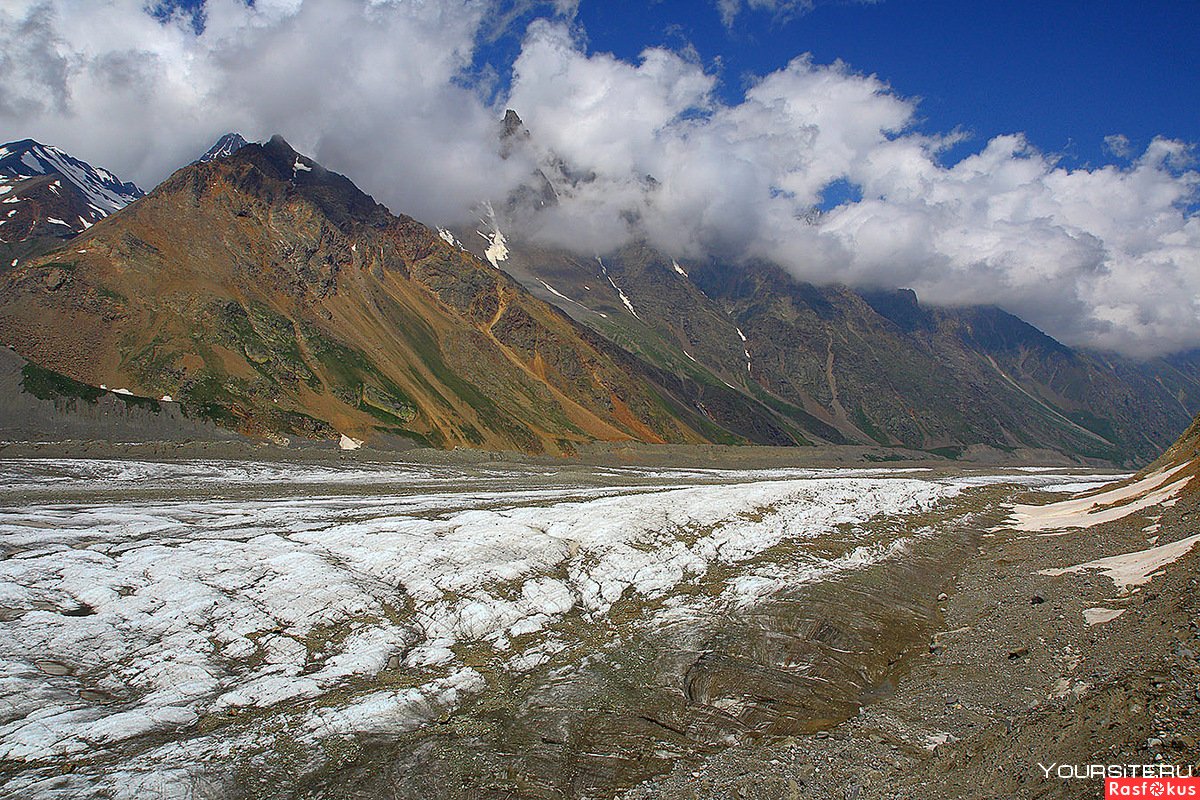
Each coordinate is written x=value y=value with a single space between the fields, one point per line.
x=226 y=145
x=285 y=299
x=48 y=196
x=265 y=268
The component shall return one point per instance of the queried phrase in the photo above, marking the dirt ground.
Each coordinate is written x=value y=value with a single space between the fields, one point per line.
x=1014 y=683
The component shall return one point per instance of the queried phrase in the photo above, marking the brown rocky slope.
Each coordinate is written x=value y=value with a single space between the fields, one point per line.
x=272 y=295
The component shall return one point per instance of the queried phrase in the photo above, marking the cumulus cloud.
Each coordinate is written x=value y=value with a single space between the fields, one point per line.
x=1106 y=257
x=386 y=92
x=371 y=89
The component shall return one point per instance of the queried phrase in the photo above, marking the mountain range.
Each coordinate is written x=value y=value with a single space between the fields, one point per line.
x=47 y=196
x=273 y=296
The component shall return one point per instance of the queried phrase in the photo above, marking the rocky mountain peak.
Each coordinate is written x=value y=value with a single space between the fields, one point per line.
x=512 y=125
x=46 y=194
x=27 y=158
x=335 y=194
x=225 y=146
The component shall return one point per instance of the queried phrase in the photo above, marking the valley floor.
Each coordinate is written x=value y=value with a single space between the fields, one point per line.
x=467 y=628
x=1034 y=673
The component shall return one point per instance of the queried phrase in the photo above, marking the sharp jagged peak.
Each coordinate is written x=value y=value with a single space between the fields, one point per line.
x=513 y=126
x=336 y=195
x=225 y=146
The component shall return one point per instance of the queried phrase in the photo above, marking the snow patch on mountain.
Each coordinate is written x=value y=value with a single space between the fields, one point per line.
x=226 y=146
x=102 y=190
x=497 y=249
x=557 y=293
x=621 y=294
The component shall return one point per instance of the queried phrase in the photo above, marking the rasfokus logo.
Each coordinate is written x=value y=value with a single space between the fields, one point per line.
x=1132 y=780
x=1151 y=787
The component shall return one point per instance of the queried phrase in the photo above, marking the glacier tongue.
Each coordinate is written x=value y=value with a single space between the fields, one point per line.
x=225 y=603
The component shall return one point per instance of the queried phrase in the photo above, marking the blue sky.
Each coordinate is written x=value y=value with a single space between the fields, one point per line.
x=1065 y=72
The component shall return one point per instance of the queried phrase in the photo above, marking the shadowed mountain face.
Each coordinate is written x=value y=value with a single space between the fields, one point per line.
x=272 y=295
x=777 y=359
x=780 y=361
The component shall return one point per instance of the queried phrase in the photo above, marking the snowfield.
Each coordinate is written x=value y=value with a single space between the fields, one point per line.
x=160 y=617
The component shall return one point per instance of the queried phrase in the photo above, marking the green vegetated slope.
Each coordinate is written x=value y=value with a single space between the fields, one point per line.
x=271 y=295
x=832 y=364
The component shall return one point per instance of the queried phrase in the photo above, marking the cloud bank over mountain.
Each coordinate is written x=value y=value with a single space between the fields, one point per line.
x=1105 y=256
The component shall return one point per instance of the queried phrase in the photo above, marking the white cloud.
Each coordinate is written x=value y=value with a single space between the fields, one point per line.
x=729 y=9
x=1119 y=145
x=380 y=90
x=1107 y=257
x=780 y=9
x=368 y=89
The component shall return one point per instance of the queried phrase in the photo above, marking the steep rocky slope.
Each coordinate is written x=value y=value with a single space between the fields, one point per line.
x=834 y=364
x=781 y=361
x=272 y=295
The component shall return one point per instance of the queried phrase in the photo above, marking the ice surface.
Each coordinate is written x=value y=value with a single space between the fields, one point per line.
x=1158 y=488
x=1134 y=569
x=164 y=600
x=1099 y=616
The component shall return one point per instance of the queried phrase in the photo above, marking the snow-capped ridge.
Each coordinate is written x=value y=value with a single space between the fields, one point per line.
x=225 y=146
x=103 y=191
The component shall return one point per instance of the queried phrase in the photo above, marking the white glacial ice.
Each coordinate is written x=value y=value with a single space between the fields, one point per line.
x=281 y=591
x=1158 y=488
